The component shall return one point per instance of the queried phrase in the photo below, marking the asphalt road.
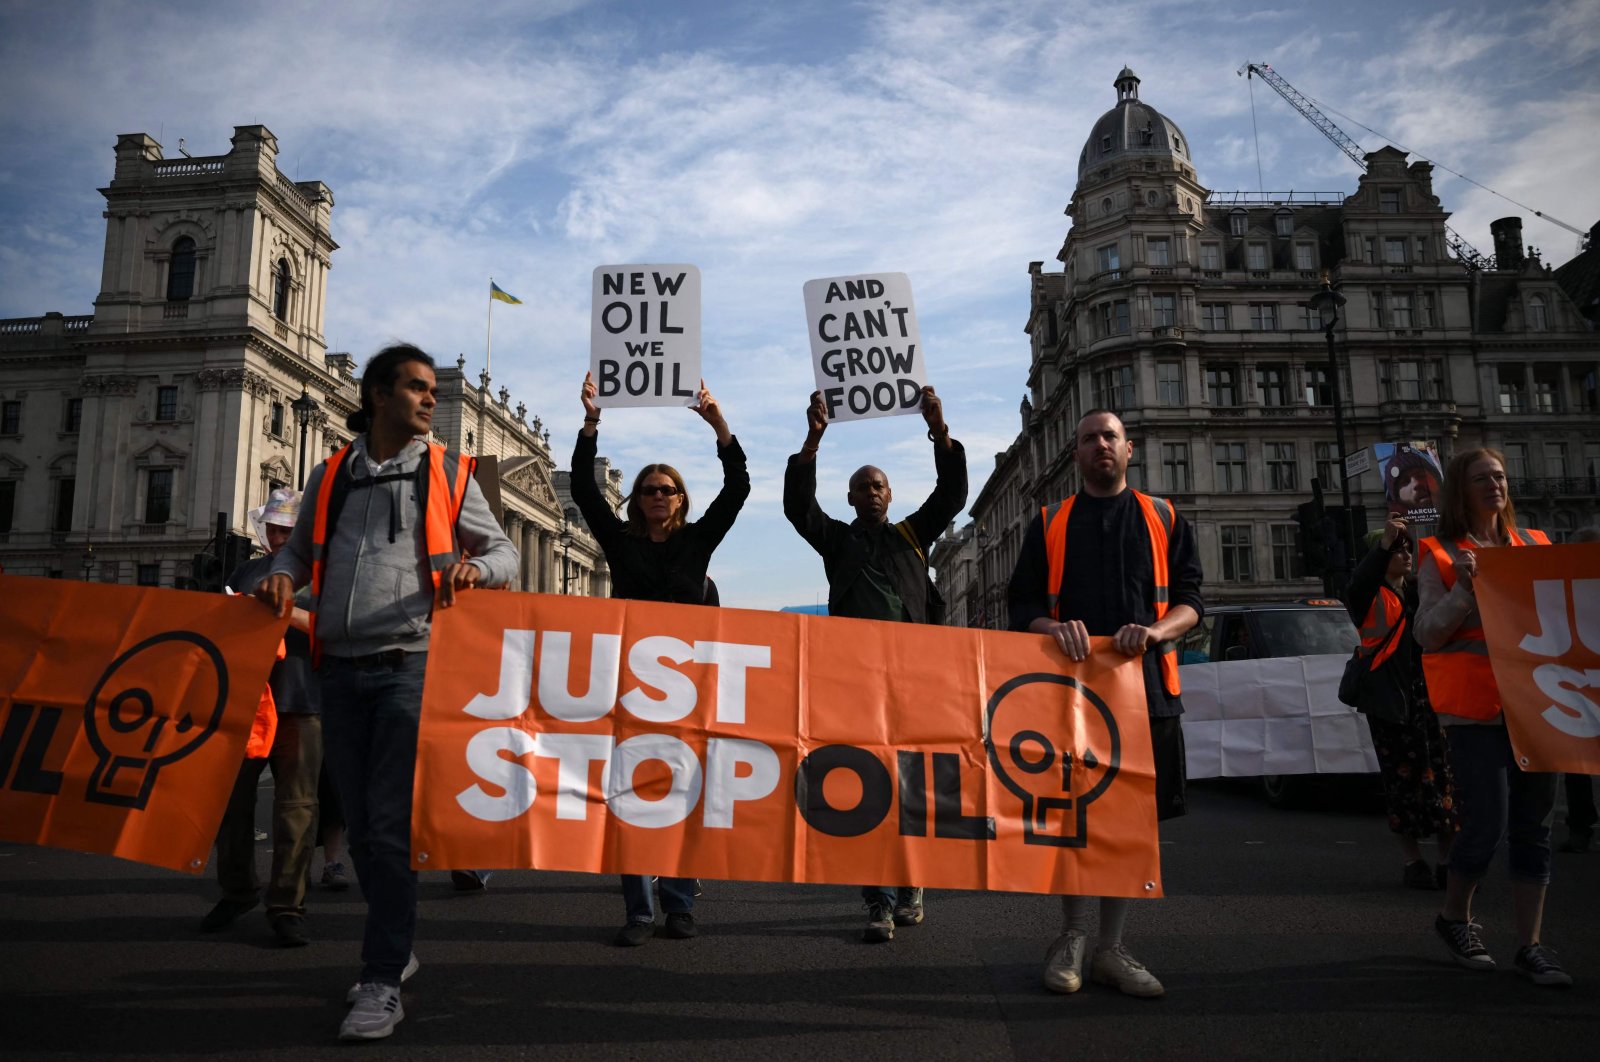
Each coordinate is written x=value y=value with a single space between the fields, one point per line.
x=1285 y=934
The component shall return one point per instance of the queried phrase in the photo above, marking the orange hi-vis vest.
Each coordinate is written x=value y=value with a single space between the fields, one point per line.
x=1160 y=519
x=444 y=490
x=1459 y=675
x=1387 y=612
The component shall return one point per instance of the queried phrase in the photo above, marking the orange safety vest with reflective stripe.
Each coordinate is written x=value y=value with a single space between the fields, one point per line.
x=1459 y=675
x=1387 y=612
x=1160 y=519
x=448 y=473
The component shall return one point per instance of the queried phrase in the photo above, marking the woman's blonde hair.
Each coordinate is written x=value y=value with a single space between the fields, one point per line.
x=1454 y=519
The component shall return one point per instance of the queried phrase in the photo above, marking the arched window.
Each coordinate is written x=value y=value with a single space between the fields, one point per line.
x=180 y=276
x=280 y=290
x=1538 y=314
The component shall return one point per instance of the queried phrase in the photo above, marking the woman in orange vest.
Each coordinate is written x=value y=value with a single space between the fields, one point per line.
x=1412 y=758
x=1496 y=799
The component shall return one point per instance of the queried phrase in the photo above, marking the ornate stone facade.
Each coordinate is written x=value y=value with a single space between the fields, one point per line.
x=1188 y=312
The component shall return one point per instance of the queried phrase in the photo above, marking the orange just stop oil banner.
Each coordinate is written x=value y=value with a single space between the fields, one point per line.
x=1541 y=617
x=631 y=737
x=124 y=713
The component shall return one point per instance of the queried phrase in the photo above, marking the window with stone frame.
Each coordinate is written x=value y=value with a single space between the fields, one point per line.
x=11 y=417
x=1158 y=249
x=1325 y=455
x=1283 y=223
x=1255 y=256
x=180 y=270
x=1169 y=383
x=1214 y=316
x=1222 y=384
x=1164 y=310
x=1114 y=388
x=1516 y=454
x=1263 y=316
x=1238 y=223
x=280 y=290
x=1513 y=388
x=1232 y=475
x=1388 y=200
x=1310 y=320
x=276 y=421
x=1400 y=310
x=1272 y=379
x=1318 y=392
x=166 y=403
x=1547 y=389
x=1210 y=256
x=1375 y=301
x=1175 y=466
x=1538 y=314
x=1285 y=552
x=1108 y=258
x=1394 y=250
x=1555 y=460
x=149 y=575
x=1305 y=257
x=1113 y=318
x=1238 y=565
x=61 y=520
x=1425 y=314
x=1283 y=471
x=1586 y=387
x=72 y=416
x=158 y=495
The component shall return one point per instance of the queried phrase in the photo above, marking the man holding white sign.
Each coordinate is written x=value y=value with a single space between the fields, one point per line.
x=865 y=345
x=644 y=338
x=878 y=570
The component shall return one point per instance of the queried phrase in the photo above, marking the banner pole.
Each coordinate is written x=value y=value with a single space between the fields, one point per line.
x=488 y=343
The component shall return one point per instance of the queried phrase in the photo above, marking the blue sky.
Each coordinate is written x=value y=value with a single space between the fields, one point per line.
x=768 y=144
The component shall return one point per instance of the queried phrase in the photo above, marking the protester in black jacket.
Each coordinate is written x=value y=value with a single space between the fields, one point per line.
x=879 y=570
x=657 y=554
x=1412 y=755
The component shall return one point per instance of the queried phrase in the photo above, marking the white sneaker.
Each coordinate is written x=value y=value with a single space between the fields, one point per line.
x=1063 y=963
x=1114 y=966
x=405 y=975
x=376 y=1012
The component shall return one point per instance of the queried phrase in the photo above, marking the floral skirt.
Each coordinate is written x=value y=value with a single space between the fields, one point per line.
x=1414 y=762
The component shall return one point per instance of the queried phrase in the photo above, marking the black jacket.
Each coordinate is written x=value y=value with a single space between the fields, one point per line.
x=1394 y=694
x=846 y=549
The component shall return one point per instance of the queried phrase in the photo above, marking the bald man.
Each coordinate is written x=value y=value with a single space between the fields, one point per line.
x=878 y=570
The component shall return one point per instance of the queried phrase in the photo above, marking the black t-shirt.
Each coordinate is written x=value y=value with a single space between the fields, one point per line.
x=1109 y=577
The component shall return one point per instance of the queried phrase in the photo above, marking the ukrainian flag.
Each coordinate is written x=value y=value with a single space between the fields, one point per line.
x=503 y=296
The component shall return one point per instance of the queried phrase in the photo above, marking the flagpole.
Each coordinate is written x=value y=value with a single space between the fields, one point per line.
x=488 y=349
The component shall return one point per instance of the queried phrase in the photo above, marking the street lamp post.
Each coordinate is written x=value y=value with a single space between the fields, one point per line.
x=304 y=408
x=1326 y=302
x=566 y=548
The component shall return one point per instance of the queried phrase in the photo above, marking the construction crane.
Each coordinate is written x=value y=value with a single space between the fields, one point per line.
x=1469 y=255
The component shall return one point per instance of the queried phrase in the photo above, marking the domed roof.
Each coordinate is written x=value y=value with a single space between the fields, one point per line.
x=1131 y=128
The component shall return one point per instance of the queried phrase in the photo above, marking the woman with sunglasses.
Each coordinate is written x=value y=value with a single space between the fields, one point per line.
x=657 y=554
x=1498 y=800
x=1412 y=758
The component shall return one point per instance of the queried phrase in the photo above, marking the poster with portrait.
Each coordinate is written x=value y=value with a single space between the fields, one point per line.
x=1411 y=477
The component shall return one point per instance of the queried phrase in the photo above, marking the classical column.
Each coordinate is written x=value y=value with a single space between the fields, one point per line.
x=530 y=556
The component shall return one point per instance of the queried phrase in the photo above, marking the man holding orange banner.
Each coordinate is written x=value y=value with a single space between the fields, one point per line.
x=1113 y=562
x=393 y=527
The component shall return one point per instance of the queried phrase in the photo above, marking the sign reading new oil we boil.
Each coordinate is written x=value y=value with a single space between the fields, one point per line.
x=644 y=336
x=865 y=346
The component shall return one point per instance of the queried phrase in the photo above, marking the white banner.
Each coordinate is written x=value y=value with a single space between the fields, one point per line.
x=865 y=347
x=644 y=338
x=1248 y=718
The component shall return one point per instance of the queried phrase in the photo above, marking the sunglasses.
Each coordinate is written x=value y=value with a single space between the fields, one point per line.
x=650 y=490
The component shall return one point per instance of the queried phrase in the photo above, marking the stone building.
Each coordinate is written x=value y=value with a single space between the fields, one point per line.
x=1189 y=313
x=124 y=433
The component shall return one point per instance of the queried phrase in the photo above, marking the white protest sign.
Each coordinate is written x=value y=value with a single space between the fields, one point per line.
x=644 y=339
x=865 y=347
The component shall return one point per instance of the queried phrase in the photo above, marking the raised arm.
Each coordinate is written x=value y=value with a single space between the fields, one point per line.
x=800 y=481
x=720 y=514
x=949 y=495
x=586 y=494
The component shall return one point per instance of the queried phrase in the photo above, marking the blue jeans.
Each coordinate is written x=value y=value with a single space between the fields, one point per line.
x=1497 y=800
x=677 y=896
x=369 y=729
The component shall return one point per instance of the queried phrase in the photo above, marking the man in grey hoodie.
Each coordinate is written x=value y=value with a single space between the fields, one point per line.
x=391 y=528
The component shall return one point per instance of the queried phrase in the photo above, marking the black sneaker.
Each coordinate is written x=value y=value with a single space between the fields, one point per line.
x=1577 y=841
x=1465 y=943
x=223 y=914
x=1419 y=875
x=289 y=928
x=634 y=934
x=880 y=924
x=680 y=926
x=335 y=878
x=908 y=906
x=1539 y=963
